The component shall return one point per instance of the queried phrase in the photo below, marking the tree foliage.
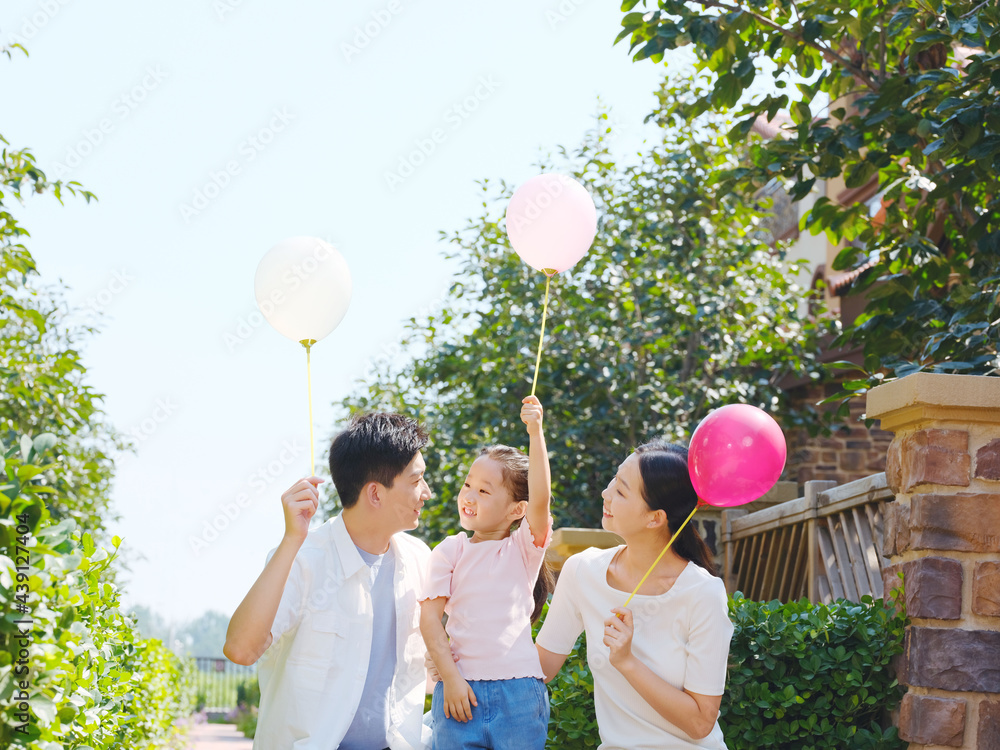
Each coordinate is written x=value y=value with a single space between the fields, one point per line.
x=42 y=377
x=906 y=94
x=679 y=307
x=73 y=671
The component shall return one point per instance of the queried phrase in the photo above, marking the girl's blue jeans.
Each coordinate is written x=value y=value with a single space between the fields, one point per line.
x=511 y=714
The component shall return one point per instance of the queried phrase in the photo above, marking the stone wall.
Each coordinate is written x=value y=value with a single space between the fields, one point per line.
x=943 y=533
x=852 y=452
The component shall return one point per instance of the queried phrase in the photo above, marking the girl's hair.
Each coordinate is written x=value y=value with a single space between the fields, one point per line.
x=514 y=470
x=666 y=486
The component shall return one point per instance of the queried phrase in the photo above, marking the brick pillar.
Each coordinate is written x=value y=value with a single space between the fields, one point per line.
x=943 y=533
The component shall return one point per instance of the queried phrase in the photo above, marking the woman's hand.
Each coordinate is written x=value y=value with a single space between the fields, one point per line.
x=531 y=414
x=618 y=632
x=457 y=699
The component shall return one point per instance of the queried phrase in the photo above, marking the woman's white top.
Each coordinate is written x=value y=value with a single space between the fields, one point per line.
x=682 y=635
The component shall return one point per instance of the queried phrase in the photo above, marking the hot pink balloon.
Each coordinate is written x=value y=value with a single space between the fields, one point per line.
x=736 y=455
x=551 y=222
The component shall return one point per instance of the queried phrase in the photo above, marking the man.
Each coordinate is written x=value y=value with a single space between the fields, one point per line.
x=334 y=613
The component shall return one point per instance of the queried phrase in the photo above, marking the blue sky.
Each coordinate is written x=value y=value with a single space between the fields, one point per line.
x=210 y=131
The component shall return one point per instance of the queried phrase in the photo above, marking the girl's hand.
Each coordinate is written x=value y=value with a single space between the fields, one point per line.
x=457 y=699
x=618 y=632
x=531 y=414
x=299 y=504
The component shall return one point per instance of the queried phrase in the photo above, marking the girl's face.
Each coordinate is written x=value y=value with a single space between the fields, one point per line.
x=625 y=510
x=484 y=503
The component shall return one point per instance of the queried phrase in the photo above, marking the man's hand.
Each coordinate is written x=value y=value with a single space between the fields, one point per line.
x=300 y=502
x=457 y=699
x=432 y=670
x=531 y=414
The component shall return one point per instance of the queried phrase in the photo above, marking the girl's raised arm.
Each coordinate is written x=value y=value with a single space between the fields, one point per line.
x=539 y=474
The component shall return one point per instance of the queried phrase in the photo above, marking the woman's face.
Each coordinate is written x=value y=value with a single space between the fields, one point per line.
x=625 y=510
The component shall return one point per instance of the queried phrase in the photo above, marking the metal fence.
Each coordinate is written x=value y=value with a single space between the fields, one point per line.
x=220 y=682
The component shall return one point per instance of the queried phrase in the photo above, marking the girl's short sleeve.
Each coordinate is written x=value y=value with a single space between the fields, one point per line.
x=709 y=634
x=531 y=554
x=442 y=563
x=564 y=622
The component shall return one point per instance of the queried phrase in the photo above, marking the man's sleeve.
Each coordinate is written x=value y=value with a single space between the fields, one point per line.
x=564 y=621
x=290 y=606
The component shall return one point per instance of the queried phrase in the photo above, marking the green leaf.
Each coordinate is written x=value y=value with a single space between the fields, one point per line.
x=45 y=441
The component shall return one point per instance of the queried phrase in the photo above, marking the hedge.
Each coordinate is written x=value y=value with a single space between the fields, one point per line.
x=81 y=677
x=801 y=675
x=812 y=676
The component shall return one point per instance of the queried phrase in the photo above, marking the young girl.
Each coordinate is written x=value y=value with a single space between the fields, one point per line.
x=491 y=693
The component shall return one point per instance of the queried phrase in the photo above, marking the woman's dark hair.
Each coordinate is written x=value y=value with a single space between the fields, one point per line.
x=514 y=470
x=374 y=447
x=666 y=486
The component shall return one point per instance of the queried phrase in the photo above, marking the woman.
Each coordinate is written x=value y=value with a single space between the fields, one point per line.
x=660 y=666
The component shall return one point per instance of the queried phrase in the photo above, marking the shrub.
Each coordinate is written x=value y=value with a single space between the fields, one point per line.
x=802 y=675
x=246 y=720
x=87 y=679
x=812 y=676
x=572 y=721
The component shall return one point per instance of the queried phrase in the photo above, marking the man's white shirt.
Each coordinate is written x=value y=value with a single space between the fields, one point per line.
x=312 y=674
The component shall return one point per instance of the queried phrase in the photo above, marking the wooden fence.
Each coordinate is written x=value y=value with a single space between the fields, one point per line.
x=826 y=545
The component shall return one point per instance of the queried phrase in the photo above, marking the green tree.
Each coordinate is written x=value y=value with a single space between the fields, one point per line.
x=907 y=94
x=42 y=378
x=679 y=307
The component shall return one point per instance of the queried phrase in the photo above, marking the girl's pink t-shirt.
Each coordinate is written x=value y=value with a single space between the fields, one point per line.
x=489 y=588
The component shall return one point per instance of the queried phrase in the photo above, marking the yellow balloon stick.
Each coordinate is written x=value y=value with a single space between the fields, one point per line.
x=660 y=556
x=541 y=337
x=308 y=343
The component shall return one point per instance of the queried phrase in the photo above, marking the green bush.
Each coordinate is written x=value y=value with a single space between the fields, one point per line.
x=572 y=721
x=801 y=676
x=88 y=680
x=248 y=693
x=246 y=720
x=812 y=676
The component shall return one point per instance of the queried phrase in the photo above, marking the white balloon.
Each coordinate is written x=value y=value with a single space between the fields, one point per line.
x=551 y=222
x=303 y=288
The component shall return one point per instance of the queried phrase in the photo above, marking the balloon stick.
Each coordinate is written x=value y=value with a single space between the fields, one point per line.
x=307 y=343
x=658 y=558
x=541 y=336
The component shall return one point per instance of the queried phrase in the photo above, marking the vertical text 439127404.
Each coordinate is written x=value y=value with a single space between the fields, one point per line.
x=22 y=681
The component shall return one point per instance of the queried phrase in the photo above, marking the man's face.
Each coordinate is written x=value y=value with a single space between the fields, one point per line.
x=402 y=502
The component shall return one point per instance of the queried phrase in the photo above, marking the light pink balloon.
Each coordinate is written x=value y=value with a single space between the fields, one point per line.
x=736 y=455
x=551 y=222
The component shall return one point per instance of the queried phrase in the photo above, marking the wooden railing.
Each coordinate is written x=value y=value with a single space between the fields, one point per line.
x=826 y=545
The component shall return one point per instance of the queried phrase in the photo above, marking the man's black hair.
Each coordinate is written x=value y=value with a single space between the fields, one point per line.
x=374 y=447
